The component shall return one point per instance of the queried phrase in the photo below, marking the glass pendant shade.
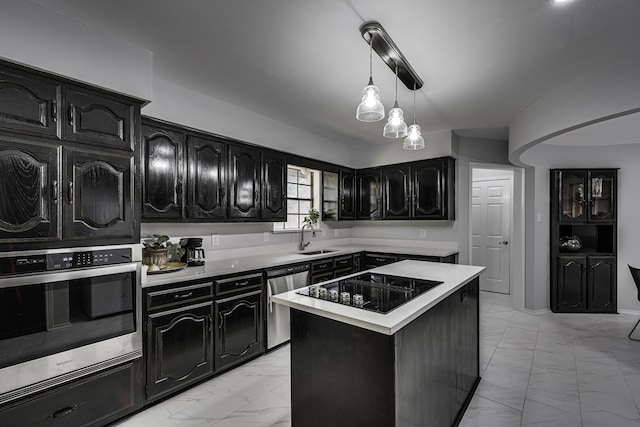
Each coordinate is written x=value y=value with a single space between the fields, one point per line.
x=395 y=127
x=370 y=109
x=414 y=139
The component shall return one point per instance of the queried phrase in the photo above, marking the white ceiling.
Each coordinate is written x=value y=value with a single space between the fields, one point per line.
x=304 y=63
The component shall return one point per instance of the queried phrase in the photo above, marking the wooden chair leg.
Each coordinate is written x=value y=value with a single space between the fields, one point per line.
x=634 y=328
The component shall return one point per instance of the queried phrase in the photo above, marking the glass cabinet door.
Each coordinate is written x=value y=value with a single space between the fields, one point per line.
x=573 y=196
x=601 y=192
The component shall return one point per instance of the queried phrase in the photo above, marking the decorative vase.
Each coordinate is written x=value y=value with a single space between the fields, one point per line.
x=154 y=256
x=570 y=243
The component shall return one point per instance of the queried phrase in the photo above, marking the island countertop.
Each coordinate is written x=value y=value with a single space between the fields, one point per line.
x=453 y=276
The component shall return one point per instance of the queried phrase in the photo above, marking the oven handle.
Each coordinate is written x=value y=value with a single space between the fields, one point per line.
x=61 y=276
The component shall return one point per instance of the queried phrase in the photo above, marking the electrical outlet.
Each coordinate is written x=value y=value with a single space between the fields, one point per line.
x=215 y=239
x=265 y=236
x=423 y=234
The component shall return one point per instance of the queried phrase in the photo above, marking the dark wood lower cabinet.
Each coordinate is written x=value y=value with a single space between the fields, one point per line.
x=180 y=348
x=239 y=328
x=586 y=283
x=95 y=400
x=424 y=375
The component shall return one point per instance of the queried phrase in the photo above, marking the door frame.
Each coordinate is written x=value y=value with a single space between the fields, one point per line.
x=516 y=244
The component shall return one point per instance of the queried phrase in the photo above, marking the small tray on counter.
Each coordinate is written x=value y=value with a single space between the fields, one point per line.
x=169 y=267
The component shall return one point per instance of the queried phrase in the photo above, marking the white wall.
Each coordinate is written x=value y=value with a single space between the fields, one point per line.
x=35 y=36
x=437 y=144
x=190 y=108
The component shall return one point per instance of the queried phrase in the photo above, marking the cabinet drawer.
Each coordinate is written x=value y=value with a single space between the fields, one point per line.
x=376 y=260
x=343 y=262
x=343 y=272
x=237 y=284
x=185 y=294
x=93 y=401
x=321 y=266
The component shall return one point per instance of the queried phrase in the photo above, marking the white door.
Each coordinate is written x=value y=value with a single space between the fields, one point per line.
x=490 y=225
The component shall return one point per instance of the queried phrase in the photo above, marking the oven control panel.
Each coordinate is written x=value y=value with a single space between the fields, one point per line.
x=63 y=261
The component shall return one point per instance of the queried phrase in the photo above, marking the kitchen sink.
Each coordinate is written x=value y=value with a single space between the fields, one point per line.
x=323 y=251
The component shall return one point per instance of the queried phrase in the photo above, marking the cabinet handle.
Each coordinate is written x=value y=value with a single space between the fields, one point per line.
x=223 y=193
x=62 y=412
x=179 y=189
x=257 y=195
x=72 y=115
x=183 y=296
x=245 y=283
x=54 y=190
x=221 y=320
x=54 y=110
x=210 y=323
x=70 y=192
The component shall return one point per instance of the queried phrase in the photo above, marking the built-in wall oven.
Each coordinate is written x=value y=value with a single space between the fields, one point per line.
x=65 y=314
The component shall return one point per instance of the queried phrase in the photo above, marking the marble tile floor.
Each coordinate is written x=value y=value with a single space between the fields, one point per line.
x=545 y=370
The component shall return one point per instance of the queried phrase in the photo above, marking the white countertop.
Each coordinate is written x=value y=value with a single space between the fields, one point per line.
x=241 y=264
x=453 y=276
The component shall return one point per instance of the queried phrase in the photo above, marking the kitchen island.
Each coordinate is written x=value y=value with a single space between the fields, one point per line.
x=417 y=365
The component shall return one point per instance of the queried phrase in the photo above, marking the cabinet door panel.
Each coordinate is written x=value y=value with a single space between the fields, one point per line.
x=397 y=192
x=429 y=191
x=28 y=103
x=244 y=182
x=180 y=345
x=98 y=195
x=96 y=119
x=207 y=178
x=238 y=328
x=29 y=192
x=274 y=199
x=572 y=283
x=369 y=194
x=162 y=159
x=573 y=196
x=602 y=196
x=347 y=195
x=602 y=284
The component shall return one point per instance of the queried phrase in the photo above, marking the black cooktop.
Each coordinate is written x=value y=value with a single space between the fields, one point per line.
x=371 y=291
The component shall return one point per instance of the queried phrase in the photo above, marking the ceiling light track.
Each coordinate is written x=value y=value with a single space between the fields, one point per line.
x=381 y=42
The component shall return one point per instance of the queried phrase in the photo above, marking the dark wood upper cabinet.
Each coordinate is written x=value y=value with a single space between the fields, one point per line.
x=244 y=182
x=274 y=184
x=207 y=183
x=347 y=193
x=433 y=189
x=369 y=193
x=98 y=194
x=29 y=192
x=163 y=172
x=396 y=181
x=586 y=195
x=28 y=103
x=97 y=119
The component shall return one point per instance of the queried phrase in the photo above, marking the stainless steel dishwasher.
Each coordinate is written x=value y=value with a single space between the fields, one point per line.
x=281 y=280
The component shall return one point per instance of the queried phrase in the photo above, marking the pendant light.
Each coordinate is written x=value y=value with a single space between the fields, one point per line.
x=370 y=109
x=414 y=139
x=395 y=127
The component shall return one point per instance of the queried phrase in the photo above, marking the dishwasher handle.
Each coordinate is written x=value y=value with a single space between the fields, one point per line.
x=288 y=270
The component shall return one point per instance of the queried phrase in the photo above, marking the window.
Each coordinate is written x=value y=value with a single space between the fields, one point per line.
x=302 y=195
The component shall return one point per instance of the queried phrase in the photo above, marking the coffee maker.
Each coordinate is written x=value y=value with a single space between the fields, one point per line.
x=194 y=254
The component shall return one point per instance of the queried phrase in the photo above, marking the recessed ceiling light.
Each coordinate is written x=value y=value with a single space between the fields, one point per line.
x=560 y=1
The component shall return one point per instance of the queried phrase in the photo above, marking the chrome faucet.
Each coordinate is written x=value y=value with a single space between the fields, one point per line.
x=303 y=245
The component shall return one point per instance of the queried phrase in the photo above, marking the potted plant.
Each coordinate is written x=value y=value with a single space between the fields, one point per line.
x=312 y=218
x=158 y=249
